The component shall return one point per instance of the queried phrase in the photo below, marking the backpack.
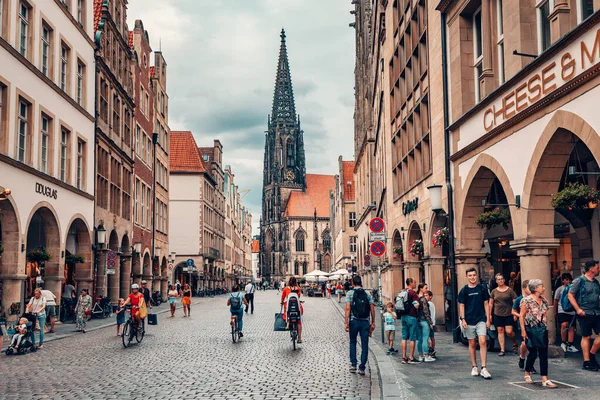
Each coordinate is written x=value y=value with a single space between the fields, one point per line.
x=402 y=302
x=564 y=297
x=235 y=301
x=361 y=307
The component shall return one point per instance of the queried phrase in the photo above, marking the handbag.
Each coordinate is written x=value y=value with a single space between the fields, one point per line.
x=152 y=319
x=280 y=325
x=143 y=309
x=88 y=312
x=537 y=336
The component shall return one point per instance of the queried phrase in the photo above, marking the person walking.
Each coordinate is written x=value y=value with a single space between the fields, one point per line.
x=359 y=318
x=516 y=311
x=82 y=310
x=68 y=299
x=432 y=331
x=338 y=291
x=172 y=298
x=37 y=306
x=249 y=289
x=534 y=330
x=425 y=324
x=328 y=288
x=186 y=299
x=408 y=320
x=475 y=318
x=50 y=308
x=389 y=318
x=566 y=320
x=501 y=301
x=583 y=295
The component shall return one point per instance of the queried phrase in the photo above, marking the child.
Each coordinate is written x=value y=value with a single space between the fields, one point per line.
x=390 y=327
x=21 y=330
x=429 y=297
x=120 y=317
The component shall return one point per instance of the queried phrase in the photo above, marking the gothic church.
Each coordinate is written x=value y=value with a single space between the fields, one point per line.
x=295 y=233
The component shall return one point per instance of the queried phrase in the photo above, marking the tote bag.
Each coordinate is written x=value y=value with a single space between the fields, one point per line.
x=143 y=309
x=280 y=324
x=537 y=337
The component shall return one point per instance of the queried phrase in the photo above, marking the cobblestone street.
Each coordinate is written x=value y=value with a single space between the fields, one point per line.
x=194 y=358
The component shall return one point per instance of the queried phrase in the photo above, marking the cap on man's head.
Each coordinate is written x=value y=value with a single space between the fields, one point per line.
x=143 y=282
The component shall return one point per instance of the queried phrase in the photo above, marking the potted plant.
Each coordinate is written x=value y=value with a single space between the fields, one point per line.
x=74 y=259
x=498 y=216
x=38 y=255
x=576 y=196
x=398 y=253
x=441 y=237
x=417 y=249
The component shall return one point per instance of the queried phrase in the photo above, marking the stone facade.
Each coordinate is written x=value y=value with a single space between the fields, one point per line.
x=343 y=217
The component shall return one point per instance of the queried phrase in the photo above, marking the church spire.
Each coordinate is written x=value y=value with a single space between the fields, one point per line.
x=284 y=108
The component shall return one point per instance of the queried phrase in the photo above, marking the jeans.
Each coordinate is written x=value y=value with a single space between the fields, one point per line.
x=41 y=318
x=533 y=353
x=410 y=328
x=362 y=327
x=422 y=346
x=239 y=314
x=250 y=299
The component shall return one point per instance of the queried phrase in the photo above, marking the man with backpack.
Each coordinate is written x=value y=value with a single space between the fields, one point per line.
x=236 y=303
x=359 y=319
x=566 y=319
x=583 y=297
x=407 y=303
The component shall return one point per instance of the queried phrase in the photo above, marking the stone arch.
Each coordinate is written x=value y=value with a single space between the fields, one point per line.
x=414 y=233
x=396 y=243
x=436 y=222
x=476 y=188
x=146 y=264
x=10 y=239
x=300 y=240
x=113 y=240
x=547 y=165
x=78 y=242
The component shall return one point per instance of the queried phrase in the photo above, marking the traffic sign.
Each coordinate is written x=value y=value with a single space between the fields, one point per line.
x=111 y=255
x=111 y=264
x=377 y=249
x=377 y=237
x=377 y=225
x=171 y=266
x=189 y=262
x=367 y=263
x=367 y=257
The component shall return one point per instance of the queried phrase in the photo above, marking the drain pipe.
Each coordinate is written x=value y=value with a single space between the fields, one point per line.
x=448 y=166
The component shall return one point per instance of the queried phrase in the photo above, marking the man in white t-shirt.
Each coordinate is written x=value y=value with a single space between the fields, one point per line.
x=565 y=319
x=50 y=307
x=249 y=289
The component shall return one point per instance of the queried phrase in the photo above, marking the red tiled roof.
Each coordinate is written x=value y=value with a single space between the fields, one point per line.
x=152 y=72
x=303 y=204
x=131 y=39
x=348 y=171
x=97 y=14
x=256 y=246
x=184 y=155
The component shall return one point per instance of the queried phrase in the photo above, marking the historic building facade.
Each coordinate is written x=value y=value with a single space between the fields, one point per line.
x=46 y=149
x=343 y=217
x=294 y=228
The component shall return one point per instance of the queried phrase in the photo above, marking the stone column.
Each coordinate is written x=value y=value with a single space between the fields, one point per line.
x=113 y=282
x=412 y=270
x=12 y=292
x=100 y=274
x=560 y=18
x=125 y=276
x=535 y=264
x=434 y=277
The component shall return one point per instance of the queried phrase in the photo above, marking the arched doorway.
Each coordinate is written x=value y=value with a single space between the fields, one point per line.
x=125 y=272
x=146 y=267
x=10 y=290
x=43 y=253
x=78 y=269
x=326 y=262
x=414 y=264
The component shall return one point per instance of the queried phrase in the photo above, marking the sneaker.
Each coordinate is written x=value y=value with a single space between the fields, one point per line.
x=572 y=349
x=588 y=366
x=421 y=359
x=361 y=371
x=429 y=359
x=353 y=369
x=485 y=373
x=404 y=360
x=563 y=346
x=387 y=353
x=474 y=371
x=432 y=354
x=521 y=363
x=241 y=334
x=394 y=350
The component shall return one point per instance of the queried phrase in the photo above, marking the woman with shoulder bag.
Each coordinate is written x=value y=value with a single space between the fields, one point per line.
x=83 y=309
x=37 y=306
x=534 y=329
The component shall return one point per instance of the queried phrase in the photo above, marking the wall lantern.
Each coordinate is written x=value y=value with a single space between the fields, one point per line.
x=435 y=197
x=138 y=247
x=101 y=232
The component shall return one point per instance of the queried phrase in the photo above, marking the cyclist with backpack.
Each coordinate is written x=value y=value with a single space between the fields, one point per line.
x=407 y=304
x=583 y=298
x=359 y=319
x=292 y=289
x=236 y=302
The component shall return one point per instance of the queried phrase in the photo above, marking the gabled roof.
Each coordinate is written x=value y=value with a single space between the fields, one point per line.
x=303 y=204
x=97 y=14
x=348 y=171
x=184 y=155
x=256 y=246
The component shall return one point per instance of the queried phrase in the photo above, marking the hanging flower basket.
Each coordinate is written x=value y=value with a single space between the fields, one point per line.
x=38 y=255
x=417 y=249
x=441 y=237
x=493 y=218
x=74 y=259
x=576 y=196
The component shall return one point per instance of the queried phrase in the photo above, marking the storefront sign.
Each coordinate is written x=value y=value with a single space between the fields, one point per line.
x=410 y=206
x=565 y=66
x=46 y=191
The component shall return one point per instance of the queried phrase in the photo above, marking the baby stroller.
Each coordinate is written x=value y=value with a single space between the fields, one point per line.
x=27 y=341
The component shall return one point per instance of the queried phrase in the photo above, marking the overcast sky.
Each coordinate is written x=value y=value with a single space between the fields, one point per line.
x=222 y=59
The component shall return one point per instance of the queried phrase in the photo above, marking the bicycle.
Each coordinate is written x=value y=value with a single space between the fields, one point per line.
x=67 y=311
x=131 y=330
x=102 y=308
x=235 y=329
x=293 y=320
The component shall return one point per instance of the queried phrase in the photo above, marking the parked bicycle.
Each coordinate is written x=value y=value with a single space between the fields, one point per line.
x=66 y=312
x=156 y=299
x=102 y=308
x=131 y=330
x=235 y=329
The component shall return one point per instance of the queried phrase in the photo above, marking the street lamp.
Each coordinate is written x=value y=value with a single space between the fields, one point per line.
x=435 y=198
x=101 y=232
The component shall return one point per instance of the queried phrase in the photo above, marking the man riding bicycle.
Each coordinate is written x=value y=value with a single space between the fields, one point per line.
x=236 y=303
x=135 y=299
x=292 y=287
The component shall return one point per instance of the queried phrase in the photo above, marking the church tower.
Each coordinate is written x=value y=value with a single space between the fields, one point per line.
x=284 y=167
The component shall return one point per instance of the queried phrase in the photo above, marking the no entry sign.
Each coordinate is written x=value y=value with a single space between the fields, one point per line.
x=377 y=249
x=377 y=225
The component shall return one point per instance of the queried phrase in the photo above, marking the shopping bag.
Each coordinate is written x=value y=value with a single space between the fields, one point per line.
x=143 y=309
x=152 y=319
x=280 y=324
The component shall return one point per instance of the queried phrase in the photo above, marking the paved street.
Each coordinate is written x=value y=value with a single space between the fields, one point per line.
x=194 y=358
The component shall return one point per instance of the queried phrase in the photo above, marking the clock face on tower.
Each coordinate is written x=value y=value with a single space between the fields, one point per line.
x=289 y=175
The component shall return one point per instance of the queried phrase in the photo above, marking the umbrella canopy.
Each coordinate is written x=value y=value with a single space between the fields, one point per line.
x=335 y=277
x=315 y=273
x=340 y=272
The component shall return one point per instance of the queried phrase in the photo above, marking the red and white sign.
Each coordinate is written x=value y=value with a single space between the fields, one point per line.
x=377 y=225
x=377 y=249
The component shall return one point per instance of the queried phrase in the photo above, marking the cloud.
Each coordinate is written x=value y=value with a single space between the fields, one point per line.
x=222 y=58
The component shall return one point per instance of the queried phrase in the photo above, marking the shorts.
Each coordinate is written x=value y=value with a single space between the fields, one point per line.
x=474 y=331
x=172 y=300
x=50 y=311
x=562 y=318
x=589 y=323
x=501 y=321
x=186 y=300
x=339 y=291
x=409 y=328
x=390 y=335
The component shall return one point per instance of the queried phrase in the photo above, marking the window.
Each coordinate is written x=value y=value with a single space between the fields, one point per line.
x=543 y=12
x=64 y=143
x=136 y=211
x=2 y=13
x=149 y=152
x=64 y=67
x=500 y=19
x=80 y=80
x=23 y=130
x=352 y=244
x=477 y=53
x=290 y=153
x=23 y=28
x=146 y=101
x=102 y=167
x=326 y=241
x=116 y=122
x=45 y=134
x=585 y=9
x=3 y=117
x=126 y=128
x=300 y=242
x=352 y=219
x=142 y=207
x=45 y=49
x=138 y=134
x=81 y=12
x=205 y=157
x=80 y=165
x=142 y=153
x=104 y=100
x=148 y=206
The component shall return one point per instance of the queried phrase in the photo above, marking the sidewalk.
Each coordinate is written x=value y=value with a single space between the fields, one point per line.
x=449 y=377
